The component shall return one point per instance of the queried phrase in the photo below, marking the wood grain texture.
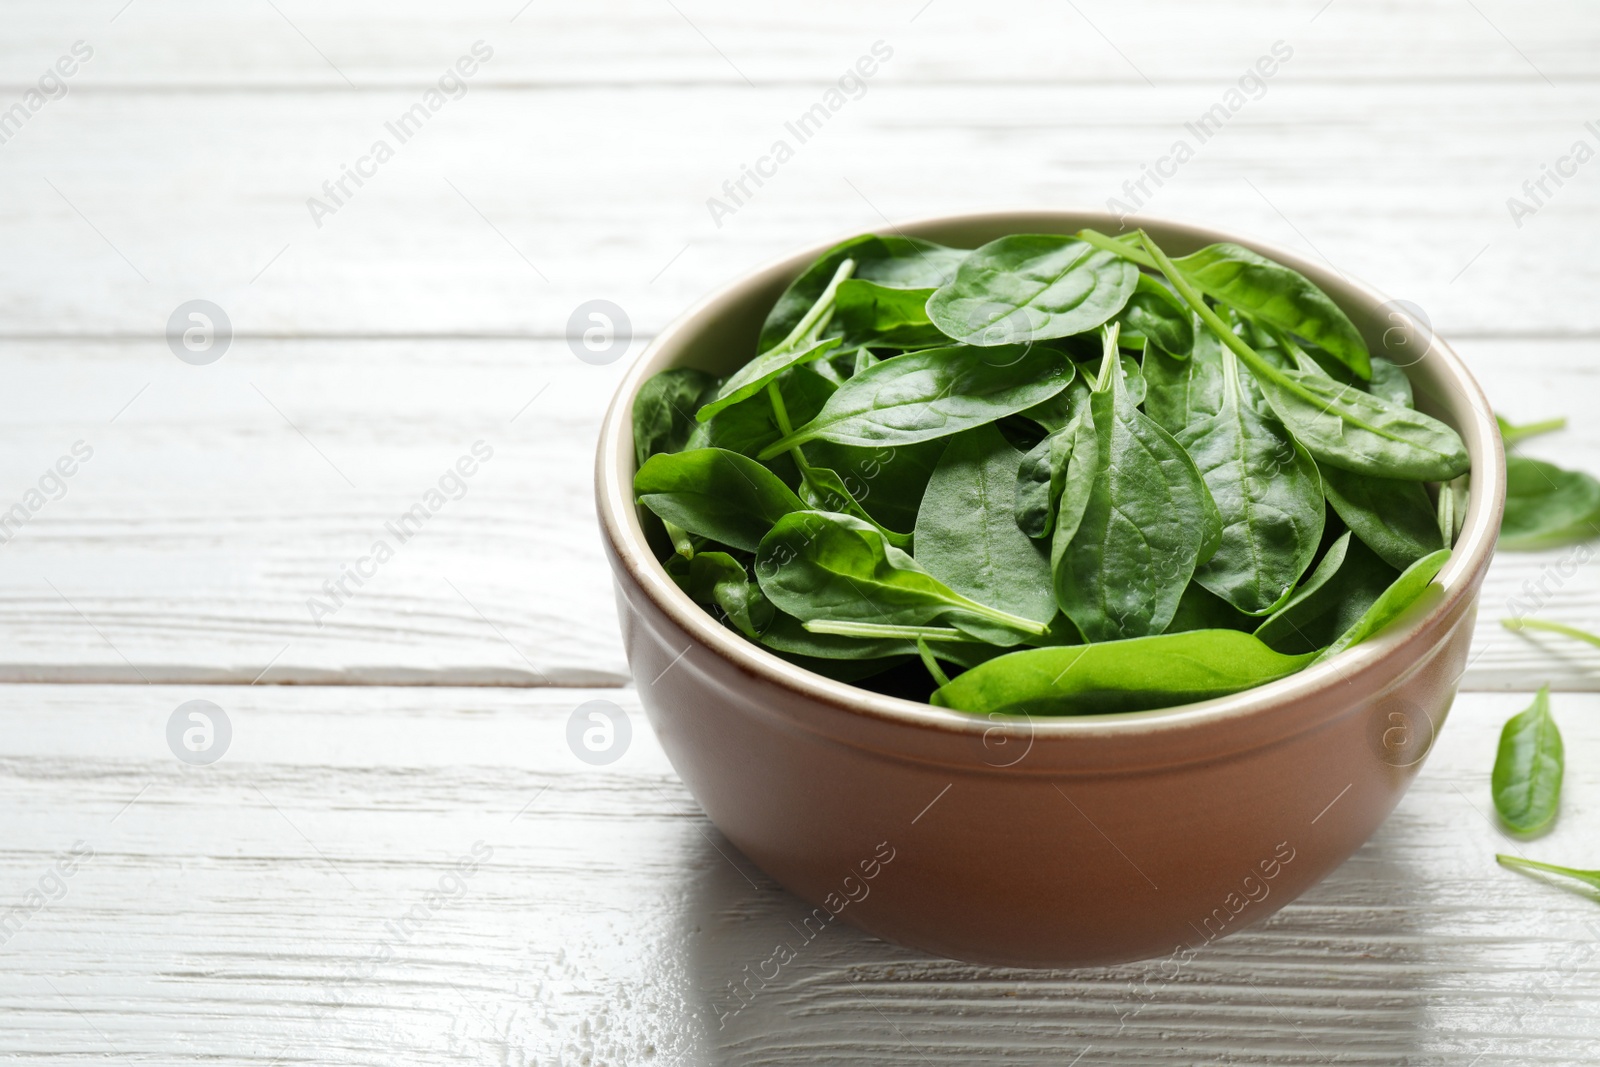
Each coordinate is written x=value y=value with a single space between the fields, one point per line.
x=239 y=912
x=216 y=506
x=721 y=42
x=510 y=207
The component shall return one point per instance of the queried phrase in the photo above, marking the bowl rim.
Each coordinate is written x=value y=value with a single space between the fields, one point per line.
x=1458 y=578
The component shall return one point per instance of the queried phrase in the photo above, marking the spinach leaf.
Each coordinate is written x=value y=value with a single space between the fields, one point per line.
x=707 y=571
x=1528 y=767
x=1395 y=518
x=1031 y=287
x=1407 y=589
x=1511 y=433
x=817 y=565
x=1590 y=878
x=801 y=346
x=823 y=490
x=751 y=425
x=966 y=535
x=1347 y=581
x=1278 y=295
x=886 y=480
x=897 y=262
x=1133 y=675
x=879 y=316
x=1269 y=494
x=1147 y=521
x=1154 y=314
x=1547 y=506
x=1390 y=383
x=663 y=411
x=715 y=493
x=1183 y=392
x=1201 y=609
x=934 y=393
x=1039 y=479
x=1338 y=424
x=744 y=605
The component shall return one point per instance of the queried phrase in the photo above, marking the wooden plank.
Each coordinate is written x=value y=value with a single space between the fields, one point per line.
x=152 y=43
x=511 y=207
x=190 y=546
x=252 y=910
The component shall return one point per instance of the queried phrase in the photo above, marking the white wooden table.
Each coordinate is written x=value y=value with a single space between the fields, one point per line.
x=398 y=859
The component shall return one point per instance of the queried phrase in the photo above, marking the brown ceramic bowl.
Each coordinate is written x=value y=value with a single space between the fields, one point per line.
x=1055 y=841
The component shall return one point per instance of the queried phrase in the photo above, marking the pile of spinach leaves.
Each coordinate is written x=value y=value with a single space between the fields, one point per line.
x=1051 y=475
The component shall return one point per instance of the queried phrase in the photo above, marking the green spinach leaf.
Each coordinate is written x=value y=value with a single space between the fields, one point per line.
x=1147 y=522
x=715 y=493
x=1153 y=314
x=1031 y=287
x=817 y=565
x=1347 y=581
x=966 y=536
x=1132 y=675
x=1183 y=392
x=1546 y=506
x=935 y=393
x=1338 y=424
x=1278 y=295
x=1407 y=590
x=1528 y=768
x=1395 y=518
x=663 y=410
x=1269 y=494
x=897 y=262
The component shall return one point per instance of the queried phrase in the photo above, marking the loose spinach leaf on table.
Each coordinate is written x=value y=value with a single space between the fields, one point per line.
x=1269 y=494
x=715 y=493
x=1132 y=675
x=1147 y=521
x=966 y=533
x=1528 y=767
x=1546 y=506
x=933 y=393
x=1032 y=287
x=1394 y=517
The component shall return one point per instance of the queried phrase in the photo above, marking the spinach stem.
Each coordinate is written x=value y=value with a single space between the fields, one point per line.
x=845 y=628
x=1518 y=863
x=1512 y=434
x=780 y=415
x=1551 y=627
x=932 y=664
x=818 y=315
x=1111 y=244
x=1258 y=366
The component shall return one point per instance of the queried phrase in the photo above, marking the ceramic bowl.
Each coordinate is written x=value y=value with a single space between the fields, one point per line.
x=1055 y=841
